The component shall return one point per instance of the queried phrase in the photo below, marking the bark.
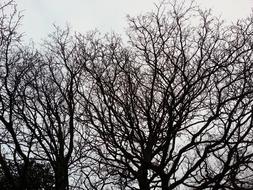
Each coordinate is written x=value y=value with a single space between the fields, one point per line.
x=61 y=176
x=165 y=182
x=143 y=179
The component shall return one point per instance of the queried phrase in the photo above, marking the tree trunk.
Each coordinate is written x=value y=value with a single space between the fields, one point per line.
x=61 y=176
x=143 y=179
x=165 y=183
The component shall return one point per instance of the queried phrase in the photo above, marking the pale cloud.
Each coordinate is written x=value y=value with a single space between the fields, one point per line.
x=231 y=10
x=105 y=15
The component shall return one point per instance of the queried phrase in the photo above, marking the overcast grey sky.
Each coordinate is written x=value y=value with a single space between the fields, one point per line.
x=105 y=15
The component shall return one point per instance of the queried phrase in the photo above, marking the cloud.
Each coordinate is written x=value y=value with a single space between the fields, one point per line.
x=105 y=15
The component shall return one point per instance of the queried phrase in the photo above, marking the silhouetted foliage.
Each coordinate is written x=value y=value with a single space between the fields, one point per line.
x=39 y=177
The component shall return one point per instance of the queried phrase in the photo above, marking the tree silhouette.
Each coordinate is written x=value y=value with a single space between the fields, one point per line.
x=15 y=61
x=174 y=108
x=38 y=176
x=49 y=107
x=169 y=109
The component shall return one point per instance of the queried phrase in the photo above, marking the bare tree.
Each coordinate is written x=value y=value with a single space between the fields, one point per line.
x=49 y=107
x=173 y=109
x=15 y=61
x=170 y=109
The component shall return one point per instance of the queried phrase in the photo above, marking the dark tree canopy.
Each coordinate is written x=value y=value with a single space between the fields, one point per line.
x=170 y=108
x=39 y=177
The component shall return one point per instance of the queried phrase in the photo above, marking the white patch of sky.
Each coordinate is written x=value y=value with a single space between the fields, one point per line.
x=105 y=15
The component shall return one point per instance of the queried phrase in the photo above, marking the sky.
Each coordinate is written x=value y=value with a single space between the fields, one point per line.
x=105 y=15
